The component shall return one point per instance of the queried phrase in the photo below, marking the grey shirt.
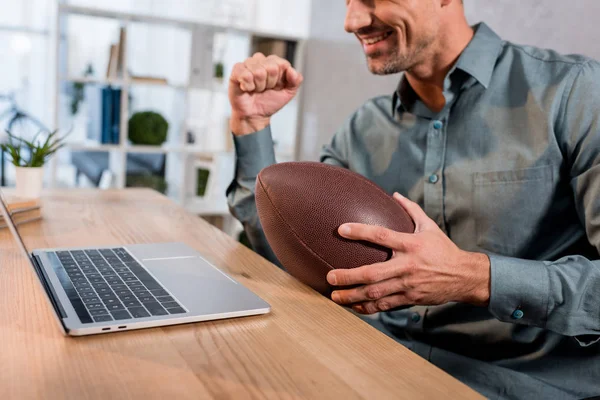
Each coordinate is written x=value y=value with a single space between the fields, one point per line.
x=511 y=168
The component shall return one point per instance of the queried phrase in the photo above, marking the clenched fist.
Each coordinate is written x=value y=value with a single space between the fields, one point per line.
x=258 y=88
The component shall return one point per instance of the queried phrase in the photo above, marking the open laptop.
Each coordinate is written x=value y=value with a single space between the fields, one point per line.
x=108 y=289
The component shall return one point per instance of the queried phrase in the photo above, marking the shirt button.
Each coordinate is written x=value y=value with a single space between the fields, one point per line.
x=438 y=125
x=433 y=178
x=415 y=317
x=517 y=314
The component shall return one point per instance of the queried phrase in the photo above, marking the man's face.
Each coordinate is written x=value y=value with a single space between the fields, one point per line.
x=395 y=34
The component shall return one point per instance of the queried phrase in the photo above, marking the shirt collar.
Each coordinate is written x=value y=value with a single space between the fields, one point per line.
x=478 y=60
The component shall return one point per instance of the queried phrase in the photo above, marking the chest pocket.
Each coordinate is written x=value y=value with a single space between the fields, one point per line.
x=509 y=205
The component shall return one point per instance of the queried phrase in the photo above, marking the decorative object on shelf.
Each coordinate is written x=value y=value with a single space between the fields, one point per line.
x=155 y=182
x=78 y=90
x=202 y=175
x=148 y=128
x=154 y=80
x=30 y=172
x=219 y=71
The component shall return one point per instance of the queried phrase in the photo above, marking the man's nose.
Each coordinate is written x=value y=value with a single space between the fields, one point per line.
x=358 y=15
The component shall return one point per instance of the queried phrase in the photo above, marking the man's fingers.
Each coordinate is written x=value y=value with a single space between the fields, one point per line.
x=384 y=304
x=243 y=77
x=367 y=274
x=377 y=234
x=372 y=292
x=293 y=78
x=259 y=74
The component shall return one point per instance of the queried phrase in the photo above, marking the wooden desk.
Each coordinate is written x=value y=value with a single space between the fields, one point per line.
x=307 y=348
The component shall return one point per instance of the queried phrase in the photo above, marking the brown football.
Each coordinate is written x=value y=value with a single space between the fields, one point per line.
x=301 y=206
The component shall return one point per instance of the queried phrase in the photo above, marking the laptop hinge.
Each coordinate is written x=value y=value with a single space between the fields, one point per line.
x=37 y=263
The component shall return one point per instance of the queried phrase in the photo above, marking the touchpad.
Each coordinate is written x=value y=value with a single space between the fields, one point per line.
x=180 y=269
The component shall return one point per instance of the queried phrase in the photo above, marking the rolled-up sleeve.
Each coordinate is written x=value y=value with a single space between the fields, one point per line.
x=253 y=153
x=563 y=295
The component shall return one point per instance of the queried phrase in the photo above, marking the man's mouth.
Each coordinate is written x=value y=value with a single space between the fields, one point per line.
x=377 y=39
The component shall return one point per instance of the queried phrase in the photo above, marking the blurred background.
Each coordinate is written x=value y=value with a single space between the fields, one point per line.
x=141 y=85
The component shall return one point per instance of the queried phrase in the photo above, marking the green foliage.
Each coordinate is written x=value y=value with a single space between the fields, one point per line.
x=147 y=181
x=78 y=91
x=38 y=151
x=148 y=128
x=201 y=181
x=219 y=70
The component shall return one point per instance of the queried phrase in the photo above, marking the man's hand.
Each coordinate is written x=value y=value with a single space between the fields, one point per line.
x=258 y=88
x=426 y=268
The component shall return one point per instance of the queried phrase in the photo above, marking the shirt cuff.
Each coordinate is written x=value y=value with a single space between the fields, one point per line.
x=254 y=151
x=519 y=290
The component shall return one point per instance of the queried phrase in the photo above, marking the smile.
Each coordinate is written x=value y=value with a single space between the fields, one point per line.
x=377 y=38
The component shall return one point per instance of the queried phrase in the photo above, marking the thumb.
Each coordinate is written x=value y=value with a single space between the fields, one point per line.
x=293 y=78
x=421 y=220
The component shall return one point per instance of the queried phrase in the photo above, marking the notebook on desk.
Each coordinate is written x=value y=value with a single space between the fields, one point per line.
x=124 y=287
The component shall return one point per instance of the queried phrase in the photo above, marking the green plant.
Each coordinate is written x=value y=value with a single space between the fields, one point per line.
x=219 y=70
x=37 y=151
x=148 y=127
x=78 y=90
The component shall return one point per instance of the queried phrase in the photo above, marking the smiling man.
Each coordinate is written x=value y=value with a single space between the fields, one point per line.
x=495 y=148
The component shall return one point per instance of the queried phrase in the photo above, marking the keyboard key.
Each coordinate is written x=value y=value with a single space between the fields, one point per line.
x=87 y=295
x=165 y=299
x=102 y=318
x=177 y=310
x=115 y=307
x=103 y=290
x=155 y=308
x=95 y=306
x=131 y=303
x=138 y=312
x=98 y=311
x=107 y=274
x=79 y=279
x=113 y=280
x=91 y=299
x=126 y=275
x=108 y=295
x=80 y=285
x=170 y=304
x=96 y=280
x=142 y=293
x=133 y=284
x=94 y=275
x=131 y=278
x=128 y=297
x=111 y=301
x=121 y=315
x=100 y=285
x=146 y=299
x=87 y=289
x=159 y=292
x=123 y=292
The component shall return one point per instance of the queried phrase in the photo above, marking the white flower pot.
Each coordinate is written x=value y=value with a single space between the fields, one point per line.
x=29 y=182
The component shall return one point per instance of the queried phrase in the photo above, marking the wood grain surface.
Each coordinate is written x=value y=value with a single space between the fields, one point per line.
x=306 y=348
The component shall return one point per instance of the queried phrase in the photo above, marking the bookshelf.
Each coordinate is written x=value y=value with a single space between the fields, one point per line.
x=193 y=102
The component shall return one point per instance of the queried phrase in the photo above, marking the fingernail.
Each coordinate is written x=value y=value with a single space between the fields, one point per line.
x=359 y=309
x=398 y=195
x=335 y=297
x=344 y=230
x=331 y=278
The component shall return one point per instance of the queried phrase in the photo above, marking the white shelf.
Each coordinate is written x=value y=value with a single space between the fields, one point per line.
x=85 y=79
x=152 y=149
x=85 y=146
x=182 y=23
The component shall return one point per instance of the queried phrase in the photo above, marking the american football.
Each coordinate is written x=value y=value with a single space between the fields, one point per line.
x=301 y=206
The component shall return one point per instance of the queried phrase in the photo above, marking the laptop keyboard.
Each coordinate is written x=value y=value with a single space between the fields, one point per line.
x=108 y=284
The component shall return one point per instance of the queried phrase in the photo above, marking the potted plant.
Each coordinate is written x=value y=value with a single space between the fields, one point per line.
x=29 y=157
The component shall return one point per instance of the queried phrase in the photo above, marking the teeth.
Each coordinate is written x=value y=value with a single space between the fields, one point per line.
x=377 y=39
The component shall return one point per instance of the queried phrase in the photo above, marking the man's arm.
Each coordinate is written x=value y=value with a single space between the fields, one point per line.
x=564 y=295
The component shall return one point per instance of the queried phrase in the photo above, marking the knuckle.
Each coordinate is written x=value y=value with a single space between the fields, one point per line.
x=383 y=305
x=381 y=234
x=371 y=275
x=373 y=292
x=258 y=55
x=272 y=70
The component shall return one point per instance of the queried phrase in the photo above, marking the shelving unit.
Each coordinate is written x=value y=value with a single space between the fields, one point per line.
x=180 y=155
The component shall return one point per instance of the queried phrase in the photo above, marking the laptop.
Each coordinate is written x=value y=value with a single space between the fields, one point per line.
x=125 y=287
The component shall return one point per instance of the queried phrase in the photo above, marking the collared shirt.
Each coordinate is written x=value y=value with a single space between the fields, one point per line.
x=511 y=168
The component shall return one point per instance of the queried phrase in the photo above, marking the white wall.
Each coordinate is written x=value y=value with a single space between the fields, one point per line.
x=337 y=80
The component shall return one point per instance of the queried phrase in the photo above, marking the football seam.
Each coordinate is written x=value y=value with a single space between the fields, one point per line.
x=290 y=228
x=367 y=181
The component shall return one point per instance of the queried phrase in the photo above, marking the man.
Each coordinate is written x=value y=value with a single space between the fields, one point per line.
x=498 y=147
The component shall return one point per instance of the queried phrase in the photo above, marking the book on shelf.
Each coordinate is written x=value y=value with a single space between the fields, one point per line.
x=111 y=70
x=110 y=115
x=121 y=52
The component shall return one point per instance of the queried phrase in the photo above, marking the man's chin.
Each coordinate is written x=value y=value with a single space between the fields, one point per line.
x=380 y=68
